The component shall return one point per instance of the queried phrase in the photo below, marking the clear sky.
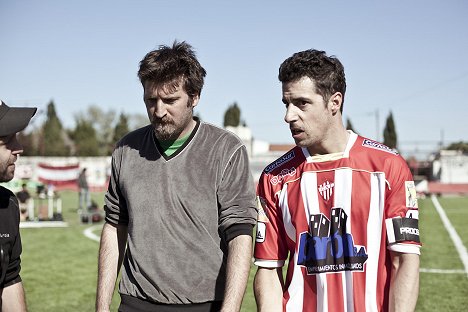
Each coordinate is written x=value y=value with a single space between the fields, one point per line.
x=408 y=57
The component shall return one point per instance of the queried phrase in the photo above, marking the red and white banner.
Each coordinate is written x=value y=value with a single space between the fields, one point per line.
x=62 y=176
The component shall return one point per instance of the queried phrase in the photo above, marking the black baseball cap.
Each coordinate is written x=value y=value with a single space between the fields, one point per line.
x=14 y=119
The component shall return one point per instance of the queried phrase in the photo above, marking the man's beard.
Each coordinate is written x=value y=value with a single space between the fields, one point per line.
x=6 y=174
x=166 y=130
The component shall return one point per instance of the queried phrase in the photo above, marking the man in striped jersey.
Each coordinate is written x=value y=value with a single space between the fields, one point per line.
x=339 y=208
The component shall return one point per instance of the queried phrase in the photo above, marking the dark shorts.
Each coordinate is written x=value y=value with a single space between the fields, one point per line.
x=132 y=304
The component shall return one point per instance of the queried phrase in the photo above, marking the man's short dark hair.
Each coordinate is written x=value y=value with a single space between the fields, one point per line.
x=168 y=65
x=327 y=72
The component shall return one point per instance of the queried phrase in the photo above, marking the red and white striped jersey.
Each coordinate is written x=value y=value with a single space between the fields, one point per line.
x=336 y=217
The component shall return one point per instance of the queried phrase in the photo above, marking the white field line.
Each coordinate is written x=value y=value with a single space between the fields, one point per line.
x=453 y=234
x=440 y=271
x=89 y=233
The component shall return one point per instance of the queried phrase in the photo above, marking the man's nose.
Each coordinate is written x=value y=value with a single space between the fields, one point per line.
x=290 y=115
x=15 y=146
x=160 y=109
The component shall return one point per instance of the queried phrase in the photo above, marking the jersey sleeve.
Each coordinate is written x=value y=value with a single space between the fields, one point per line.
x=14 y=267
x=271 y=249
x=115 y=204
x=401 y=208
x=12 y=250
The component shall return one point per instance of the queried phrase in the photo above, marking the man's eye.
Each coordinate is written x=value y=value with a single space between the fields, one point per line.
x=7 y=140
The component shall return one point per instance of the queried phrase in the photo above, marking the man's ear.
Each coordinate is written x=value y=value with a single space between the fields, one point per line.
x=335 y=101
x=195 y=100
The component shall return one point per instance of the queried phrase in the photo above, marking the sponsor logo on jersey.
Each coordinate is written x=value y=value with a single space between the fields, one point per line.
x=327 y=247
x=261 y=206
x=261 y=232
x=326 y=189
x=282 y=160
x=410 y=192
x=284 y=173
x=4 y=235
x=378 y=146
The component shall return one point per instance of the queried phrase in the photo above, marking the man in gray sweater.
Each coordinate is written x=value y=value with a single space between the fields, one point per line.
x=180 y=207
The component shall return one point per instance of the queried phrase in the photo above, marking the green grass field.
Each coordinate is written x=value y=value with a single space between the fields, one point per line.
x=59 y=265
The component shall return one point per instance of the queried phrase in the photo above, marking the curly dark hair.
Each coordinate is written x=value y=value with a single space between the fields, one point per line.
x=170 y=65
x=327 y=72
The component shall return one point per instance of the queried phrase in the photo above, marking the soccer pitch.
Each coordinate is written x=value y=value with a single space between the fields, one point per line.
x=59 y=265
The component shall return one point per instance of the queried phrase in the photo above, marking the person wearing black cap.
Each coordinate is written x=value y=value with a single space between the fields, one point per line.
x=12 y=120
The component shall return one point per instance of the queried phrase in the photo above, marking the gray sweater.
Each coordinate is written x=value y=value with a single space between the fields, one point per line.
x=178 y=210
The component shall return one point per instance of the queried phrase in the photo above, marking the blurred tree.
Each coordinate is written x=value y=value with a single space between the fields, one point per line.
x=136 y=121
x=28 y=143
x=84 y=136
x=102 y=122
x=52 y=142
x=458 y=146
x=349 y=125
x=389 y=134
x=232 y=116
x=120 y=129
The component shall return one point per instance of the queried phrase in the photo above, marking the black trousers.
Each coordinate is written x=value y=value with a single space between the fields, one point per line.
x=132 y=304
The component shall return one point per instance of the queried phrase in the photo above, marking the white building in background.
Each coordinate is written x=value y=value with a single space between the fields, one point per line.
x=451 y=167
x=261 y=153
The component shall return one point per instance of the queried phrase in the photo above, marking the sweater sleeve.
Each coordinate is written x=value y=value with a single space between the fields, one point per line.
x=236 y=196
x=115 y=203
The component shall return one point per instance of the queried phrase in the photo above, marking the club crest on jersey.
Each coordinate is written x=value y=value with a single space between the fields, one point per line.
x=327 y=247
x=378 y=146
x=326 y=189
x=282 y=160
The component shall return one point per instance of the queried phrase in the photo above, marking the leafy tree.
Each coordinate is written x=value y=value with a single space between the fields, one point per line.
x=349 y=125
x=121 y=128
x=136 y=121
x=232 y=116
x=102 y=122
x=27 y=141
x=84 y=136
x=52 y=142
x=459 y=146
x=389 y=134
